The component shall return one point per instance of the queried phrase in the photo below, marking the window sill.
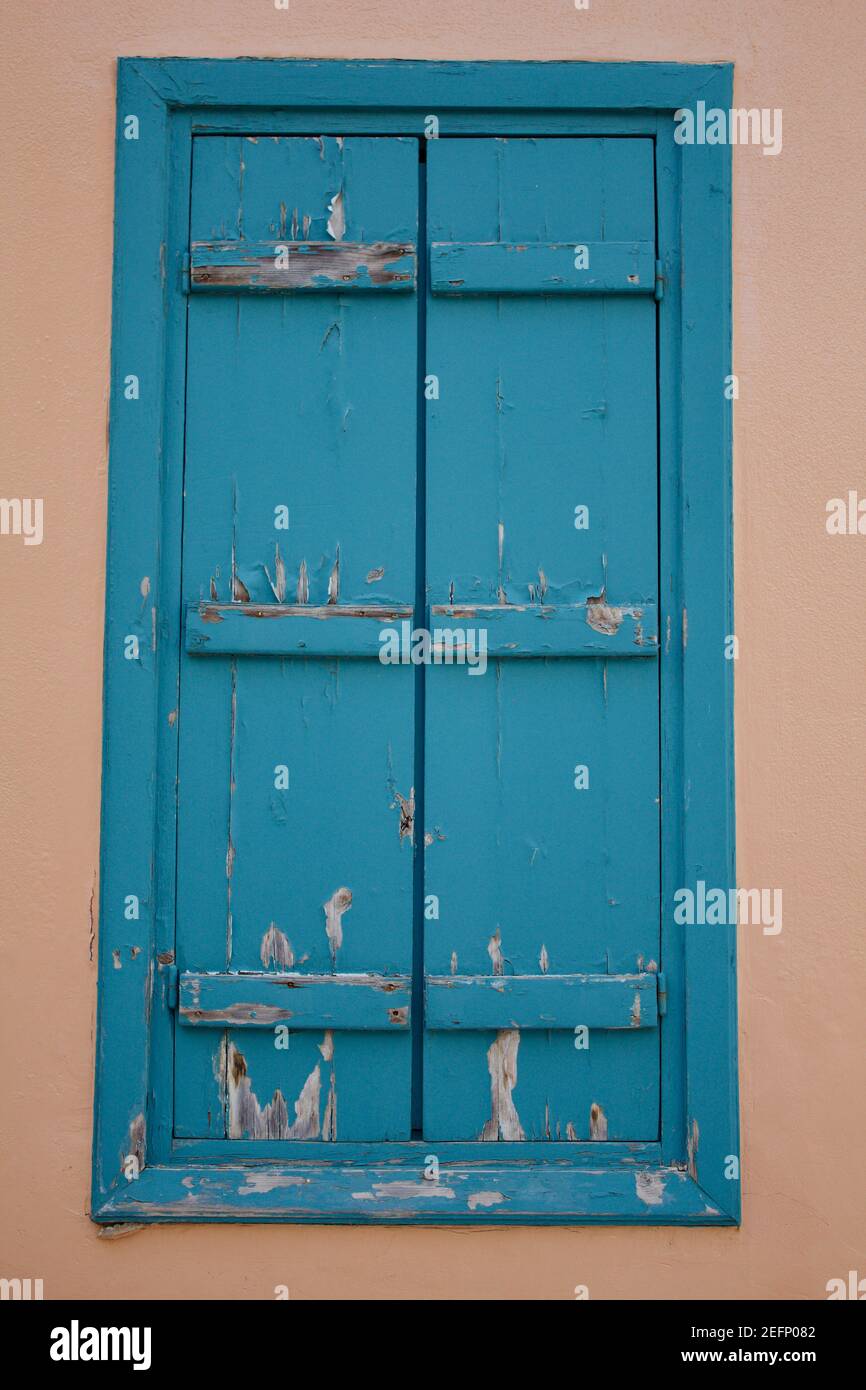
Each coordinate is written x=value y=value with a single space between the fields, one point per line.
x=504 y=1193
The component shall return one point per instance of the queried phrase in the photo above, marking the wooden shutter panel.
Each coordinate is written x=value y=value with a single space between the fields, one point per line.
x=302 y=401
x=548 y=895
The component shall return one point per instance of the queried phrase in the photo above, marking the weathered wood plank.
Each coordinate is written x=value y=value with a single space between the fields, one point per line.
x=594 y=628
x=503 y=1193
x=275 y=267
x=541 y=490
x=535 y=267
x=250 y=629
x=366 y=1003
x=541 y=1001
x=299 y=489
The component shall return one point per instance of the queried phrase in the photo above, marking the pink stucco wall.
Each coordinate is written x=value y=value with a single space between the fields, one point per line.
x=800 y=677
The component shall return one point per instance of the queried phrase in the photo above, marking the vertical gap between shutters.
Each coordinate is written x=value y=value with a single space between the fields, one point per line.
x=659 y=514
x=417 y=1011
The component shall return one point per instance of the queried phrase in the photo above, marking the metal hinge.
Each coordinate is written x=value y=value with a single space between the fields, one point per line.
x=184 y=273
x=663 y=994
x=171 y=985
x=660 y=282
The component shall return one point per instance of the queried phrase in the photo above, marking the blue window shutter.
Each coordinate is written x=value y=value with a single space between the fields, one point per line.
x=542 y=777
x=405 y=918
x=296 y=774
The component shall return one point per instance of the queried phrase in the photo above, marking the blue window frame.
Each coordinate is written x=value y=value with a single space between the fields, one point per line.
x=157 y=1155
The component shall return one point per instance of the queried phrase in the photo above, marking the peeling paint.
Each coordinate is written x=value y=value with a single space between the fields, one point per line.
x=500 y=591
x=635 y=1010
x=406 y=1190
x=329 y=1123
x=570 y=1132
x=338 y=903
x=692 y=1139
x=303 y=583
x=135 y=1141
x=494 y=951
x=337 y=217
x=504 y=1122
x=453 y=962
x=603 y=617
x=485 y=1199
x=246 y=1116
x=271 y=1121
x=334 y=579
x=375 y=575
x=597 y=1122
x=267 y=1182
x=650 y=1188
x=118 y=1231
x=276 y=949
x=278 y=583
x=407 y=814
x=543 y=960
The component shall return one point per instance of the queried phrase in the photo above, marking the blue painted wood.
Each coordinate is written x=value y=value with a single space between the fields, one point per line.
x=244 y=629
x=595 y=627
x=369 y=1003
x=294 y=848
x=496 y=267
x=490 y=1194
x=159 y=1114
x=635 y=99
x=553 y=400
x=127 y=899
x=710 y=1005
x=470 y=88
x=541 y=1001
x=275 y=267
x=589 y=1154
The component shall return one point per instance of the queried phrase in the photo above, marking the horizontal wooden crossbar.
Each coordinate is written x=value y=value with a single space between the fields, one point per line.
x=478 y=1002
x=276 y=629
x=276 y=267
x=499 y=267
x=363 y=1003
x=594 y=628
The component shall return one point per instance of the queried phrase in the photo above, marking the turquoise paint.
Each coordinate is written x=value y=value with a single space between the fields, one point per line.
x=500 y=267
x=541 y=1001
x=370 y=1003
x=692 y=188
x=547 y=404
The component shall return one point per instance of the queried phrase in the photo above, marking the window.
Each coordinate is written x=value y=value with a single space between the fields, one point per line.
x=417 y=712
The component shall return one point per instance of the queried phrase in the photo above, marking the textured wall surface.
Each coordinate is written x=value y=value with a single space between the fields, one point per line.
x=800 y=687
